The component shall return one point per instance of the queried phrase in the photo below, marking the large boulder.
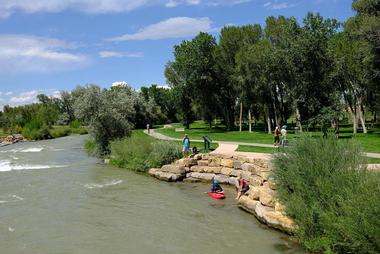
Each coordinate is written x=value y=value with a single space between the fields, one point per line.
x=255 y=180
x=237 y=164
x=233 y=181
x=278 y=207
x=267 y=197
x=226 y=171
x=174 y=169
x=247 y=204
x=203 y=163
x=245 y=175
x=214 y=162
x=200 y=169
x=222 y=179
x=229 y=163
x=186 y=162
x=198 y=156
x=254 y=192
x=236 y=173
x=202 y=176
x=248 y=167
x=280 y=221
x=169 y=177
x=264 y=174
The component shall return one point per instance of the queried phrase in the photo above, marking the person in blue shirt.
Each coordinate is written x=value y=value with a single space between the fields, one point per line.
x=215 y=187
x=186 y=146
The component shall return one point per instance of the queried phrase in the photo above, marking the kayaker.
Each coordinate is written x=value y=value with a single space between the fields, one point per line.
x=243 y=187
x=215 y=187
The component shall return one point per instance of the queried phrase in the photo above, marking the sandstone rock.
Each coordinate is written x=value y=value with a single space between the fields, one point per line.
x=205 y=156
x=226 y=171
x=264 y=174
x=236 y=173
x=200 y=169
x=254 y=192
x=271 y=184
x=259 y=162
x=242 y=159
x=248 y=167
x=255 y=180
x=222 y=179
x=198 y=156
x=192 y=180
x=280 y=221
x=203 y=163
x=233 y=181
x=247 y=203
x=267 y=197
x=229 y=163
x=107 y=161
x=153 y=171
x=214 y=162
x=245 y=175
x=202 y=176
x=237 y=164
x=174 y=169
x=278 y=207
x=169 y=177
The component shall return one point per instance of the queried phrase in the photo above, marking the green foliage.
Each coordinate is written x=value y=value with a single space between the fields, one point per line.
x=330 y=195
x=164 y=152
x=75 y=124
x=60 y=131
x=32 y=133
x=91 y=148
x=140 y=152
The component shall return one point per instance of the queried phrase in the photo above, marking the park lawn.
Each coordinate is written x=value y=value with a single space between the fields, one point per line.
x=370 y=142
x=373 y=160
x=257 y=149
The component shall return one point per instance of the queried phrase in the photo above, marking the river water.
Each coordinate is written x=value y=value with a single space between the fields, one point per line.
x=56 y=199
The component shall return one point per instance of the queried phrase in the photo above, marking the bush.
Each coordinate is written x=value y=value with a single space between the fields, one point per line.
x=75 y=124
x=80 y=131
x=334 y=200
x=60 y=131
x=140 y=152
x=91 y=148
x=164 y=152
x=36 y=134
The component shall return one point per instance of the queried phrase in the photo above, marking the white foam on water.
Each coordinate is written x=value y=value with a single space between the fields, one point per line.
x=98 y=186
x=10 y=229
x=3 y=201
x=18 y=197
x=11 y=198
x=32 y=150
x=6 y=166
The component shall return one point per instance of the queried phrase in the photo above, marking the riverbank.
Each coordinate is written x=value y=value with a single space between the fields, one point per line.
x=260 y=200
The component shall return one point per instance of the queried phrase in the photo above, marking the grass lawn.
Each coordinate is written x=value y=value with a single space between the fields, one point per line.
x=373 y=161
x=257 y=149
x=370 y=141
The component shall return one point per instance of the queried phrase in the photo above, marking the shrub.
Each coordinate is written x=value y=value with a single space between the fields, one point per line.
x=334 y=200
x=140 y=152
x=91 y=148
x=164 y=152
x=80 y=131
x=36 y=134
x=60 y=131
x=75 y=124
x=132 y=153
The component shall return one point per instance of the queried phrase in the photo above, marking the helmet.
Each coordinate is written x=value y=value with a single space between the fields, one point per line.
x=215 y=181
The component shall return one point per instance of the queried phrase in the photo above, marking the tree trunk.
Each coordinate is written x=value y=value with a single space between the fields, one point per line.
x=241 y=117
x=268 y=120
x=362 y=120
x=250 y=121
x=298 y=120
x=354 y=121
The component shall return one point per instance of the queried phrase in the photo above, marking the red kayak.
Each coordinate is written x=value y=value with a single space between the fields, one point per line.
x=216 y=195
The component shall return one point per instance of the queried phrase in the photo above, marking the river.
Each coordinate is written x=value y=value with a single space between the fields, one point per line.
x=56 y=199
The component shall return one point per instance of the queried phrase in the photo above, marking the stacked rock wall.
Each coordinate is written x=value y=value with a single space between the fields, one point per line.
x=261 y=198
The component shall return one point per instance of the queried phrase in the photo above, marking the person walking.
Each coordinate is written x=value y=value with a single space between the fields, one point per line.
x=185 y=146
x=276 y=136
x=148 y=128
x=283 y=135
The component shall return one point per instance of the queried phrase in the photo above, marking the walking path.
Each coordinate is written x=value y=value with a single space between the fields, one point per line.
x=230 y=147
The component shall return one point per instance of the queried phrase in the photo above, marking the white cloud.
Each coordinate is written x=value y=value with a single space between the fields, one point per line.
x=178 y=27
x=24 y=98
x=8 y=7
x=119 y=84
x=24 y=53
x=109 y=54
x=276 y=5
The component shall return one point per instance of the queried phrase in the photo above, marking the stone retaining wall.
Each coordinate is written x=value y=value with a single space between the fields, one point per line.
x=260 y=200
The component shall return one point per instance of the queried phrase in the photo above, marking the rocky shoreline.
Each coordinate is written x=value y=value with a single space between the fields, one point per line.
x=261 y=199
x=11 y=139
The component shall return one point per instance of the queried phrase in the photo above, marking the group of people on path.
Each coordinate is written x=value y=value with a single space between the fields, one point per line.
x=277 y=133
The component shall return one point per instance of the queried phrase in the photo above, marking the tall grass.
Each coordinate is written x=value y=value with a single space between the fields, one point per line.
x=140 y=152
x=332 y=197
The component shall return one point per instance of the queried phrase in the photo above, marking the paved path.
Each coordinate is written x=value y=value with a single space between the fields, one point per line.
x=229 y=147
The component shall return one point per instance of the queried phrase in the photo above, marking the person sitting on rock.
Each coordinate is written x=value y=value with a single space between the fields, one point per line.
x=243 y=187
x=215 y=187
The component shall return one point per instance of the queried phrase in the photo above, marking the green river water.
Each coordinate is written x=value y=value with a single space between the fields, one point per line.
x=56 y=199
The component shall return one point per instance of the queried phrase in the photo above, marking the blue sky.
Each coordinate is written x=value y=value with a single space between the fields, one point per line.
x=52 y=45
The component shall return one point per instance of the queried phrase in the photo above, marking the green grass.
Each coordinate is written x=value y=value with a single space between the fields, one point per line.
x=370 y=142
x=373 y=161
x=257 y=149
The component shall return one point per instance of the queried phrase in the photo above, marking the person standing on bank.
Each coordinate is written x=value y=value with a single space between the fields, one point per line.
x=276 y=136
x=283 y=135
x=186 y=146
x=148 y=128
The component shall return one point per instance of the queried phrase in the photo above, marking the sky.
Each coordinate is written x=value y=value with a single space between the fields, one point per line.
x=47 y=46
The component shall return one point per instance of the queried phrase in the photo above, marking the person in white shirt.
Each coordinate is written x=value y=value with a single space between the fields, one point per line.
x=283 y=134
